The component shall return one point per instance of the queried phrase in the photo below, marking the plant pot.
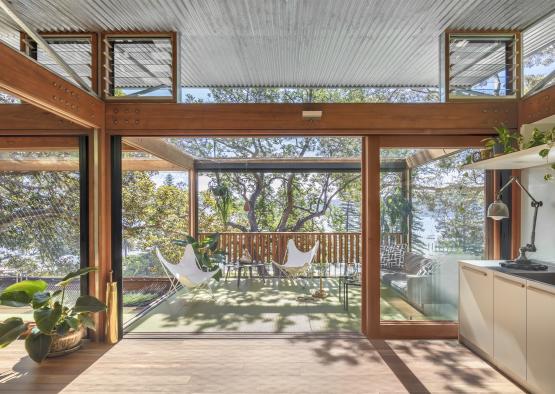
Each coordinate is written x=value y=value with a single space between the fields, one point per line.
x=486 y=154
x=69 y=343
x=498 y=149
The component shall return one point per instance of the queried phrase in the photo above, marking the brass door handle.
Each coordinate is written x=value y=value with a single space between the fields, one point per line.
x=514 y=282
x=541 y=290
x=464 y=267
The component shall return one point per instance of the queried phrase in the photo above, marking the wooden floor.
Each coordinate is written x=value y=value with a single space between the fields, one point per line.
x=291 y=364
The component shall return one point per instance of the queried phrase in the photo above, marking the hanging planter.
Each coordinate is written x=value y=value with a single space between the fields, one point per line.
x=247 y=206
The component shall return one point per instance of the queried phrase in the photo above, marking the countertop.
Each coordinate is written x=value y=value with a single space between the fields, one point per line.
x=494 y=266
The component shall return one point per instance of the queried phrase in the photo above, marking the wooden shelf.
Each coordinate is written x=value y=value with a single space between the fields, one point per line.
x=526 y=158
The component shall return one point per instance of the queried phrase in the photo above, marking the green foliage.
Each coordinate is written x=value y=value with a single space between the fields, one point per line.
x=508 y=139
x=10 y=330
x=39 y=219
x=21 y=293
x=224 y=202
x=51 y=315
x=153 y=215
x=208 y=255
x=139 y=298
x=37 y=345
x=542 y=137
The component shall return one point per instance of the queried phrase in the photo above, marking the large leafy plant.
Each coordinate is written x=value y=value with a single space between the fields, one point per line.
x=51 y=314
x=208 y=255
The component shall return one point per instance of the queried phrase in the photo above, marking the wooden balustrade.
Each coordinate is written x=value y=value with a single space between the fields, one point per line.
x=335 y=247
x=271 y=246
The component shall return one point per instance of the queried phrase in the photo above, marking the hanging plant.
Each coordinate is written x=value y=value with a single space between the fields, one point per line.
x=224 y=202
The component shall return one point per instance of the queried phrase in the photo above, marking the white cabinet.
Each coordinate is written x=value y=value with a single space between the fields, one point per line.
x=541 y=337
x=509 y=324
x=476 y=307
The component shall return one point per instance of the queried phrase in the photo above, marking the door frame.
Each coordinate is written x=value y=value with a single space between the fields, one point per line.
x=371 y=324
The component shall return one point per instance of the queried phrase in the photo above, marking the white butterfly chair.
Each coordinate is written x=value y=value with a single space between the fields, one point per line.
x=187 y=271
x=297 y=262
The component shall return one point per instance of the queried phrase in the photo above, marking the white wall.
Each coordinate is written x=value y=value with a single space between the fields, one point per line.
x=543 y=191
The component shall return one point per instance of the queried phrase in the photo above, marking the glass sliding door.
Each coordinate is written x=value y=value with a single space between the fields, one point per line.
x=42 y=213
x=432 y=216
x=155 y=213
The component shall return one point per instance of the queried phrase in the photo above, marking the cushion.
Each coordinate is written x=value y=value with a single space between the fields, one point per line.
x=245 y=258
x=393 y=256
x=414 y=262
x=427 y=269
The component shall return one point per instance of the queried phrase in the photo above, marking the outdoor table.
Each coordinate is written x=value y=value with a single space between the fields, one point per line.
x=344 y=283
x=240 y=266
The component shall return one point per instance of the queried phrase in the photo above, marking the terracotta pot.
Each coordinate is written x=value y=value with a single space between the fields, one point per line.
x=67 y=343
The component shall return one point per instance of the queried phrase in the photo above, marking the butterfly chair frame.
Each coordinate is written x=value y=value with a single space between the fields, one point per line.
x=187 y=272
x=296 y=262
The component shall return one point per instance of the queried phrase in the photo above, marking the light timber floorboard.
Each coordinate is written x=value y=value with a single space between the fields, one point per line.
x=295 y=364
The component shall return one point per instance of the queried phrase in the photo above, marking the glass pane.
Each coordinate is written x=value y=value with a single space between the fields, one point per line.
x=76 y=52
x=39 y=221
x=155 y=205
x=481 y=66
x=141 y=67
x=539 y=55
x=262 y=197
x=432 y=216
x=310 y=95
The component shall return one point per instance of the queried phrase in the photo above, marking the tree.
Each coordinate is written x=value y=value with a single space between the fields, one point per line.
x=277 y=201
x=39 y=219
x=153 y=215
x=455 y=197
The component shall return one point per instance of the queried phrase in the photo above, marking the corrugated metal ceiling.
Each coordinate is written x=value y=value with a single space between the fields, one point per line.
x=293 y=43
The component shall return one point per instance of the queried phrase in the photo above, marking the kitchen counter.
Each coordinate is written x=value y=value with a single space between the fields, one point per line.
x=507 y=316
x=546 y=277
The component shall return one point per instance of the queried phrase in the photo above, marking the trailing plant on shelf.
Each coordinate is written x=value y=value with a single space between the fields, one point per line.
x=537 y=138
x=506 y=141
x=53 y=319
x=208 y=255
x=548 y=138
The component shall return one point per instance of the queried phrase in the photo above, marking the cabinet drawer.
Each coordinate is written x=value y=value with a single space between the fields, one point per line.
x=476 y=307
x=540 y=338
x=509 y=324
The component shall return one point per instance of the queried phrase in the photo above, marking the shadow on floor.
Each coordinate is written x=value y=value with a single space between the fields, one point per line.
x=53 y=374
x=276 y=306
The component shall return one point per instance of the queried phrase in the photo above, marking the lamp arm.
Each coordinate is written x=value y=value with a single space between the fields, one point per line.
x=532 y=245
x=515 y=179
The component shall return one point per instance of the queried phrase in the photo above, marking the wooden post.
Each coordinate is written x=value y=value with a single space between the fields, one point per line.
x=370 y=294
x=193 y=203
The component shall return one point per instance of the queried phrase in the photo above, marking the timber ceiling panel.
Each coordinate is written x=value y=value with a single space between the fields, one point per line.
x=296 y=42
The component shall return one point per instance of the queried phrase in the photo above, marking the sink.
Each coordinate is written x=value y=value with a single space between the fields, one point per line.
x=544 y=277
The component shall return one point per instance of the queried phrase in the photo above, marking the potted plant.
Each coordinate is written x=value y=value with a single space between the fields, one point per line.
x=486 y=153
x=208 y=255
x=505 y=142
x=57 y=328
